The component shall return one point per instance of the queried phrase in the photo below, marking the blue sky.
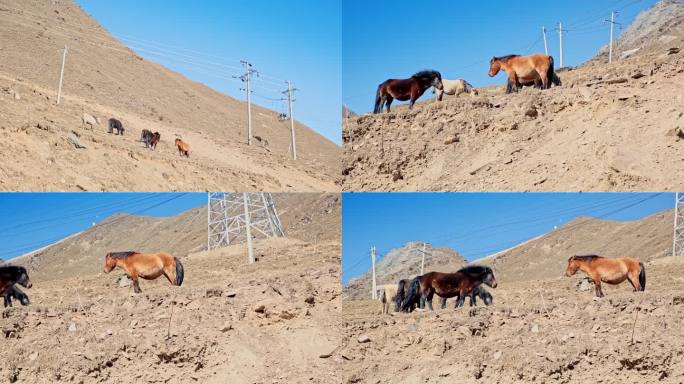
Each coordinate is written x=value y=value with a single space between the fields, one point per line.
x=395 y=39
x=34 y=220
x=474 y=224
x=297 y=40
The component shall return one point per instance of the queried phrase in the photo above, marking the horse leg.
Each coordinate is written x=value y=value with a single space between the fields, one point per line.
x=136 y=284
x=633 y=277
x=544 y=79
x=514 y=82
x=461 y=300
x=388 y=102
x=442 y=301
x=597 y=285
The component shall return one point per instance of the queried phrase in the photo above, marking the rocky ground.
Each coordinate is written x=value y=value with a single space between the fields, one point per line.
x=538 y=331
x=272 y=321
x=609 y=127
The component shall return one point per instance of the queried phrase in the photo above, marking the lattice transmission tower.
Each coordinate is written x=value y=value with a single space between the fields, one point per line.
x=678 y=238
x=235 y=218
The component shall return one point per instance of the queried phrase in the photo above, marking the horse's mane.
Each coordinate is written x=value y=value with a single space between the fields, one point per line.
x=121 y=255
x=588 y=258
x=430 y=73
x=11 y=270
x=505 y=58
x=475 y=270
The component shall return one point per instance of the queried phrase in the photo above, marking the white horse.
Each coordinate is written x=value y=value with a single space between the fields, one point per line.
x=454 y=88
x=387 y=295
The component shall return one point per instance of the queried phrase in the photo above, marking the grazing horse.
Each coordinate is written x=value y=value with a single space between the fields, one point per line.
x=523 y=69
x=392 y=293
x=10 y=275
x=611 y=271
x=454 y=88
x=406 y=89
x=16 y=293
x=115 y=124
x=477 y=292
x=460 y=284
x=146 y=137
x=156 y=137
x=148 y=266
x=183 y=147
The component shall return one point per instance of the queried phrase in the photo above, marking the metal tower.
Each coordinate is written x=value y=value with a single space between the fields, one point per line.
x=678 y=238
x=234 y=218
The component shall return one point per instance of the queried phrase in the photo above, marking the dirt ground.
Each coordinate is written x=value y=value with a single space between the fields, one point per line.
x=538 y=331
x=48 y=147
x=270 y=322
x=609 y=127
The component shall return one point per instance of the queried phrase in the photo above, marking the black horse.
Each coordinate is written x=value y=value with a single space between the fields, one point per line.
x=17 y=294
x=10 y=275
x=477 y=292
x=150 y=139
x=115 y=124
x=406 y=89
x=402 y=290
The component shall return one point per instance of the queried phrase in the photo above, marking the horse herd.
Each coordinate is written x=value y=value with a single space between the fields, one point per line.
x=531 y=70
x=408 y=295
x=149 y=138
x=136 y=265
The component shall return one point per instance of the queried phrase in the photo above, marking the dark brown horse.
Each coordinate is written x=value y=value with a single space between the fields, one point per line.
x=523 y=69
x=115 y=124
x=15 y=293
x=611 y=271
x=406 y=89
x=10 y=275
x=459 y=284
x=148 y=266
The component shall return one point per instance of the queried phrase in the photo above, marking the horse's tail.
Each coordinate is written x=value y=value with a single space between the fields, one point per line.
x=411 y=296
x=179 y=271
x=551 y=74
x=642 y=277
x=378 y=100
x=399 y=299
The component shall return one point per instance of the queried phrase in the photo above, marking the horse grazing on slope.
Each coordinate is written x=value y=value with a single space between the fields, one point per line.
x=148 y=266
x=611 y=271
x=183 y=147
x=454 y=88
x=10 y=275
x=17 y=294
x=477 y=292
x=115 y=124
x=523 y=69
x=406 y=89
x=458 y=284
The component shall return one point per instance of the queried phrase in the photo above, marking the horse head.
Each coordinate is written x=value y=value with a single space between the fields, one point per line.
x=489 y=278
x=573 y=266
x=110 y=263
x=23 y=279
x=437 y=81
x=494 y=66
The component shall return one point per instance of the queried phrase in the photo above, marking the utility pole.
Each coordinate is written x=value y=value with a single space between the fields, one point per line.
x=248 y=224
x=678 y=238
x=293 y=143
x=560 y=36
x=546 y=47
x=247 y=78
x=374 y=294
x=423 y=252
x=61 y=75
x=610 y=46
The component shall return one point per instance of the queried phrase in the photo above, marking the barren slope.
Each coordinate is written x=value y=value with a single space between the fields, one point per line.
x=106 y=79
x=403 y=263
x=614 y=127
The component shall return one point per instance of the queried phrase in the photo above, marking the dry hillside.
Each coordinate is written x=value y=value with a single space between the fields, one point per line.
x=104 y=78
x=609 y=127
x=271 y=321
x=403 y=263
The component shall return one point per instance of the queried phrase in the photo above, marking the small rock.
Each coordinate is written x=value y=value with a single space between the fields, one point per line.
x=619 y=80
x=363 y=339
x=109 y=332
x=396 y=175
x=226 y=327
x=17 y=96
x=670 y=51
x=214 y=292
x=497 y=355
x=309 y=300
x=465 y=331
x=260 y=308
x=535 y=328
x=638 y=75
x=532 y=112
x=33 y=356
x=72 y=327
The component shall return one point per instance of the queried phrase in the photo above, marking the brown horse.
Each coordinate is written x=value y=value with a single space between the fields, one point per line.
x=611 y=271
x=406 y=89
x=446 y=285
x=524 y=69
x=183 y=147
x=148 y=266
x=10 y=275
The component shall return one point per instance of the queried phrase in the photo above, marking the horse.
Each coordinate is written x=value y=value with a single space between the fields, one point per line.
x=477 y=292
x=115 y=124
x=183 y=147
x=156 y=137
x=146 y=137
x=148 y=266
x=10 y=275
x=460 y=284
x=611 y=271
x=392 y=293
x=454 y=88
x=524 y=68
x=406 y=89
x=555 y=80
x=16 y=293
